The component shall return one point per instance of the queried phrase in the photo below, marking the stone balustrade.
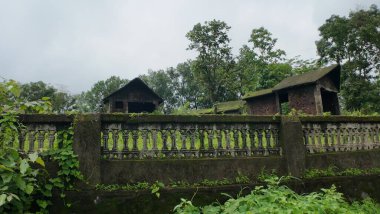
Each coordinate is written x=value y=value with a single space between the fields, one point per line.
x=190 y=137
x=341 y=134
x=40 y=132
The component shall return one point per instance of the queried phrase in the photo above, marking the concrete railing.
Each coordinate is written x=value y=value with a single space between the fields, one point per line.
x=120 y=148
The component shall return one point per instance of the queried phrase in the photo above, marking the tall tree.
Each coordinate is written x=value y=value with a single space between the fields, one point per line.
x=260 y=64
x=354 y=42
x=91 y=101
x=213 y=67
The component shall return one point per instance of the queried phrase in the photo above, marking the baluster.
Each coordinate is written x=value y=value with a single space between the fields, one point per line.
x=144 y=151
x=371 y=137
x=268 y=148
x=32 y=138
x=348 y=138
x=154 y=138
x=244 y=139
x=277 y=142
x=306 y=138
x=210 y=138
x=252 y=140
x=220 y=149
x=193 y=150
x=312 y=135
x=228 y=141
x=326 y=143
x=201 y=133
x=173 y=150
x=40 y=139
x=338 y=141
x=183 y=150
x=135 y=149
x=125 y=141
x=51 y=138
x=105 y=143
x=320 y=134
x=115 y=137
x=260 y=148
x=21 y=140
x=164 y=136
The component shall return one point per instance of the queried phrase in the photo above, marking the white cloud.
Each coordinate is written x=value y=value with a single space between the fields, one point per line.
x=73 y=44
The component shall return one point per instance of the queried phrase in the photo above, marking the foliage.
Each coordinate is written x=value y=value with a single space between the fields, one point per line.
x=353 y=41
x=332 y=171
x=213 y=67
x=24 y=183
x=34 y=91
x=91 y=100
x=276 y=198
x=20 y=180
x=18 y=184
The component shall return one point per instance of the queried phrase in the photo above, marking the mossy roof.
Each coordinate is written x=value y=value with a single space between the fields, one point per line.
x=229 y=106
x=203 y=111
x=257 y=93
x=305 y=78
x=302 y=79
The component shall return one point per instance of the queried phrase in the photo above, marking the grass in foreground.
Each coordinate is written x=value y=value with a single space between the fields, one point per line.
x=276 y=198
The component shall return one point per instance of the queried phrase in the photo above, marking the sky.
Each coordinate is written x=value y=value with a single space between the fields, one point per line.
x=73 y=44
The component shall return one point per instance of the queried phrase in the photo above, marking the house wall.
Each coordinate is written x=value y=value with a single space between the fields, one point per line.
x=264 y=105
x=306 y=99
x=327 y=83
x=136 y=94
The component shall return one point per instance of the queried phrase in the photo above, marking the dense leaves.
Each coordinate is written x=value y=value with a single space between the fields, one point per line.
x=276 y=198
x=354 y=42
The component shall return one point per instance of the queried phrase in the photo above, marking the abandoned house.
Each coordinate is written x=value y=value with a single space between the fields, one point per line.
x=313 y=92
x=134 y=97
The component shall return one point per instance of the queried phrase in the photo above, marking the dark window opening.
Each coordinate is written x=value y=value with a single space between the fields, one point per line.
x=140 y=107
x=330 y=102
x=284 y=103
x=119 y=104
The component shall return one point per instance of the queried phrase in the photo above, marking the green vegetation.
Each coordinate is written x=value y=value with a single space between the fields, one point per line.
x=24 y=183
x=332 y=171
x=277 y=198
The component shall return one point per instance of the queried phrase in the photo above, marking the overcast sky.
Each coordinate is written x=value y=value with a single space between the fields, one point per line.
x=73 y=44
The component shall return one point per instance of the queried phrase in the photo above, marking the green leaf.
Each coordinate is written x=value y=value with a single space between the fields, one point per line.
x=29 y=189
x=2 y=199
x=24 y=166
x=33 y=157
x=42 y=203
x=6 y=168
x=40 y=161
x=20 y=183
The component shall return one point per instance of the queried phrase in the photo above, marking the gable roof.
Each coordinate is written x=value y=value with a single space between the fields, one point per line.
x=307 y=78
x=133 y=83
x=257 y=93
x=302 y=79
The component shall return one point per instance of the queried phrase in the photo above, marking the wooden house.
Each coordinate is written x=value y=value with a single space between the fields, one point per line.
x=134 y=97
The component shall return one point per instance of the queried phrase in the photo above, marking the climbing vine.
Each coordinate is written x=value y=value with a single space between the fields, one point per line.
x=25 y=185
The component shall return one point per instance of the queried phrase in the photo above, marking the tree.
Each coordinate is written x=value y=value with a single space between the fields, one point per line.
x=162 y=84
x=259 y=64
x=213 y=67
x=61 y=101
x=91 y=101
x=354 y=42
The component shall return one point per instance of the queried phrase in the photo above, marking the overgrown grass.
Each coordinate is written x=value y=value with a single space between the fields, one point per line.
x=333 y=171
x=276 y=198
